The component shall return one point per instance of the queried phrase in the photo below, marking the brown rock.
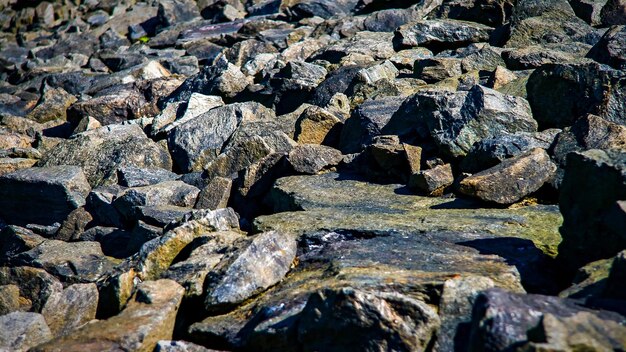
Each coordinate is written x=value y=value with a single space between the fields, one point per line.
x=317 y=126
x=433 y=181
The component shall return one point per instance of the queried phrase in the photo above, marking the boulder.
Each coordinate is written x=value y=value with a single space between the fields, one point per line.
x=511 y=180
x=440 y=34
x=432 y=182
x=313 y=158
x=70 y=309
x=35 y=286
x=131 y=176
x=23 y=330
x=55 y=190
x=611 y=49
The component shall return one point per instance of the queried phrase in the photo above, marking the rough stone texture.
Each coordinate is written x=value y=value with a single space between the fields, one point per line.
x=501 y=320
x=70 y=309
x=237 y=158
x=441 y=34
x=35 y=285
x=215 y=195
x=511 y=180
x=102 y=151
x=317 y=126
x=148 y=318
x=432 y=181
x=22 y=330
x=130 y=176
x=611 y=49
x=52 y=105
x=594 y=181
x=238 y=276
x=42 y=195
x=313 y=158
x=561 y=93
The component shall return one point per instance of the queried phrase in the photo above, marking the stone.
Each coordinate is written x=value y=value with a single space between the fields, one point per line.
x=533 y=57
x=457 y=120
x=313 y=158
x=17 y=239
x=23 y=330
x=490 y=13
x=57 y=190
x=588 y=10
x=436 y=69
x=52 y=105
x=440 y=34
x=179 y=346
x=70 y=309
x=589 y=88
x=511 y=180
x=535 y=321
x=215 y=195
x=74 y=225
x=373 y=74
x=148 y=318
x=161 y=215
x=292 y=85
x=35 y=286
x=501 y=77
x=346 y=318
x=611 y=49
x=10 y=300
x=613 y=13
x=130 y=176
x=102 y=151
x=87 y=123
x=238 y=277
x=317 y=126
x=241 y=52
x=432 y=182
x=588 y=225
x=172 y=12
x=338 y=81
x=237 y=158
x=614 y=285
x=71 y=261
x=201 y=139
x=490 y=152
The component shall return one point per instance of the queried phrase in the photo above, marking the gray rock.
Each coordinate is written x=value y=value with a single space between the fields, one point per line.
x=239 y=277
x=52 y=105
x=615 y=281
x=338 y=81
x=313 y=158
x=345 y=319
x=437 y=68
x=613 y=13
x=534 y=56
x=594 y=181
x=317 y=126
x=490 y=13
x=237 y=158
x=71 y=261
x=201 y=139
x=535 y=321
x=511 y=180
x=149 y=317
x=179 y=346
x=16 y=240
x=56 y=190
x=457 y=120
x=10 y=300
x=172 y=12
x=21 y=331
x=74 y=225
x=131 y=176
x=376 y=45
x=561 y=93
x=70 y=309
x=102 y=151
x=491 y=151
x=432 y=182
x=161 y=215
x=293 y=85
x=440 y=34
x=215 y=195
x=588 y=10
x=611 y=49
x=35 y=285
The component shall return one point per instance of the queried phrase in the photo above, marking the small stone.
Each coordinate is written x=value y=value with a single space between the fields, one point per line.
x=238 y=157
x=70 y=309
x=74 y=225
x=215 y=195
x=35 y=286
x=21 y=330
x=511 y=180
x=438 y=33
x=436 y=69
x=433 y=181
x=317 y=126
x=52 y=105
x=501 y=77
x=313 y=158
x=373 y=74
x=611 y=49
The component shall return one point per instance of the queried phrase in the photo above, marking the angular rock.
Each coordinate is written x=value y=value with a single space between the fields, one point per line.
x=238 y=158
x=238 y=276
x=148 y=318
x=179 y=346
x=537 y=322
x=74 y=225
x=346 y=318
x=433 y=181
x=313 y=158
x=372 y=44
x=215 y=195
x=436 y=69
x=56 y=190
x=440 y=34
x=102 y=151
x=511 y=180
x=534 y=57
x=613 y=13
x=594 y=181
x=611 y=49
x=130 y=176
x=561 y=93
x=172 y=12
x=35 y=285
x=52 y=105
x=21 y=331
x=615 y=281
x=70 y=309
x=317 y=126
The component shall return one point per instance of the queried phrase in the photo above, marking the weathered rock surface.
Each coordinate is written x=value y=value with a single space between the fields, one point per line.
x=22 y=330
x=70 y=309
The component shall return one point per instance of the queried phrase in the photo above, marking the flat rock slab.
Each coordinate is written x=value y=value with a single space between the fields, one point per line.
x=42 y=195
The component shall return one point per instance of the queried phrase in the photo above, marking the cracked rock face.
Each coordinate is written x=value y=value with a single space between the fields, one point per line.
x=308 y=175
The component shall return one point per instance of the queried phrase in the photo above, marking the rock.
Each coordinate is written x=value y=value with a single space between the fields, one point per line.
x=172 y=12
x=57 y=190
x=70 y=309
x=161 y=215
x=588 y=225
x=102 y=151
x=535 y=321
x=440 y=34
x=613 y=13
x=338 y=81
x=588 y=10
x=74 y=225
x=615 y=280
x=457 y=120
x=375 y=45
x=313 y=158
x=611 y=49
x=71 y=261
x=238 y=277
x=490 y=152
x=511 y=180
x=490 y=13
x=436 y=69
x=201 y=139
x=215 y=195
x=52 y=105
x=317 y=126
x=17 y=239
x=148 y=318
x=433 y=181
x=346 y=318
x=293 y=85
x=238 y=158
x=22 y=330
x=533 y=57
x=35 y=286
x=589 y=132
x=373 y=74
x=501 y=77
x=179 y=346
x=10 y=300
x=130 y=176
x=590 y=88
x=192 y=271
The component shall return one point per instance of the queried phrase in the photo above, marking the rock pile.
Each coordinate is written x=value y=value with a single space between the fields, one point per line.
x=312 y=175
